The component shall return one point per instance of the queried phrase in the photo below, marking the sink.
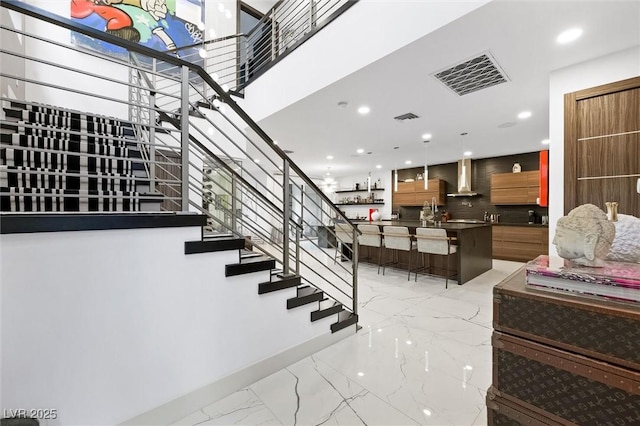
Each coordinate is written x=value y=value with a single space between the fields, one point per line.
x=465 y=221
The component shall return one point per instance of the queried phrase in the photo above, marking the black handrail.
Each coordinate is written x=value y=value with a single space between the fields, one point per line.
x=46 y=16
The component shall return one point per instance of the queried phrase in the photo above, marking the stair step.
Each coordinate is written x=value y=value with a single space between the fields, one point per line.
x=248 y=265
x=90 y=144
x=345 y=319
x=36 y=177
x=279 y=283
x=213 y=245
x=305 y=296
x=246 y=254
x=327 y=307
x=56 y=200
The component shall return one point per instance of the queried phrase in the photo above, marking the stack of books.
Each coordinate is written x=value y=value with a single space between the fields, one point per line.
x=614 y=280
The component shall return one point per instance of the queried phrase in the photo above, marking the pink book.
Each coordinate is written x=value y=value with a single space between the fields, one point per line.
x=617 y=280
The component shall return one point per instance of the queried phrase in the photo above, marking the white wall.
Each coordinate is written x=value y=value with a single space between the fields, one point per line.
x=603 y=70
x=105 y=325
x=366 y=32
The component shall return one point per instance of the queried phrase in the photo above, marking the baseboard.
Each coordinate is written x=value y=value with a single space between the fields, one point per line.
x=181 y=407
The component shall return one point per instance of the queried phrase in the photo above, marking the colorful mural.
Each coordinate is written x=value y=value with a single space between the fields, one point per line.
x=159 y=24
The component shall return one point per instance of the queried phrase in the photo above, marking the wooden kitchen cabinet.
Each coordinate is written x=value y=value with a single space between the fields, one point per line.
x=515 y=188
x=414 y=194
x=519 y=243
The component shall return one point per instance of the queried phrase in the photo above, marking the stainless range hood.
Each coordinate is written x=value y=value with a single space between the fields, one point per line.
x=464 y=180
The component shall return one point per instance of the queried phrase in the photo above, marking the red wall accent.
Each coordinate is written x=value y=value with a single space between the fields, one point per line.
x=544 y=178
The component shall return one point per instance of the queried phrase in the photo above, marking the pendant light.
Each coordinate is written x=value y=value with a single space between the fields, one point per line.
x=395 y=174
x=463 y=172
x=369 y=183
x=426 y=167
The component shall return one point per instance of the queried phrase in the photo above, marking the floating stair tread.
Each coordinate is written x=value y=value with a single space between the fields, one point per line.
x=327 y=308
x=305 y=296
x=345 y=319
x=213 y=245
x=246 y=254
x=251 y=264
x=279 y=283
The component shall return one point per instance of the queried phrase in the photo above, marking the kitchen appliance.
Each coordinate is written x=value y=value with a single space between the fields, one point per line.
x=532 y=217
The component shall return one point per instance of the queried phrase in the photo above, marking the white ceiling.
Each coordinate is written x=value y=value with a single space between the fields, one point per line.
x=521 y=37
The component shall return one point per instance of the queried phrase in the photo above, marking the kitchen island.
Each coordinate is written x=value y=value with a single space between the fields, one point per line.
x=472 y=258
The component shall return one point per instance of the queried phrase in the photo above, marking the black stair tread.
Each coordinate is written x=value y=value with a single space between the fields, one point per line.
x=279 y=283
x=247 y=254
x=345 y=319
x=249 y=265
x=305 y=295
x=208 y=246
x=326 y=308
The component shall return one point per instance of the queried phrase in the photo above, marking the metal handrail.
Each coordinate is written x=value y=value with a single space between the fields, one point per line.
x=182 y=94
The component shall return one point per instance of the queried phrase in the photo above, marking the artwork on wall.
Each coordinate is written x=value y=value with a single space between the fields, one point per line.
x=159 y=24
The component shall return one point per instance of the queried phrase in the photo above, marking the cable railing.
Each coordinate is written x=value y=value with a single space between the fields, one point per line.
x=234 y=60
x=199 y=150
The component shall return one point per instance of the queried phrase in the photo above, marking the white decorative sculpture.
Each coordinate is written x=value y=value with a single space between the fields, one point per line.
x=626 y=244
x=584 y=236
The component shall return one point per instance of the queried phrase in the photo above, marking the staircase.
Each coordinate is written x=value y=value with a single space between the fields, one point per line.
x=249 y=262
x=57 y=160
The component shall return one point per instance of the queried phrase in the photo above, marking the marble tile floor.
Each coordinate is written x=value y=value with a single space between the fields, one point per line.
x=422 y=357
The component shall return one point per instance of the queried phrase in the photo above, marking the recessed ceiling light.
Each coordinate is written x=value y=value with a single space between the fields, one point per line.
x=257 y=160
x=364 y=110
x=468 y=153
x=275 y=142
x=569 y=35
x=426 y=136
x=328 y=174
x=545 y=142
x=407 y=162
x=202 y=52
x=329 y=157
x=524 y=114
x=378 y=166
x=360 y=151
x=210 y=130
x=360 y=373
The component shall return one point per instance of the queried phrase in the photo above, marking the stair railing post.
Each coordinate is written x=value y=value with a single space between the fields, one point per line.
x=274 y=36
x=286 y=219
x=234 y=202
x=355 y=254
x=298 y=232
x=152 y=129
x=312 y=14
x=184 y=139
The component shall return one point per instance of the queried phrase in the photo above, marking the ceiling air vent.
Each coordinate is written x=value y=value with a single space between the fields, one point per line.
x=407 y=116
x=471 y=75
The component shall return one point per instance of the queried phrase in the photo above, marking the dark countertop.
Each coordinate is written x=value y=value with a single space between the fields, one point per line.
x=418 y=224
x=535 y=225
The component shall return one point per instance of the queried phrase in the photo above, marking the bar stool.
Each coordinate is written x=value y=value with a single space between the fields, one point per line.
x=435 y=241
x=344 y=235
x=398 y=238
x=371 y=237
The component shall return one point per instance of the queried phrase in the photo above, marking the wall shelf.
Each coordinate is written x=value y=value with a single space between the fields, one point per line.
x=359 y=204
x=357 y=190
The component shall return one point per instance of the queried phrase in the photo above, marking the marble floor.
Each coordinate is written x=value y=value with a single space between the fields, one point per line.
x=422 y=357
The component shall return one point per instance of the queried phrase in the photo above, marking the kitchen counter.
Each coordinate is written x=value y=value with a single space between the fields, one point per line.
x=533 y=225
x=473 y=240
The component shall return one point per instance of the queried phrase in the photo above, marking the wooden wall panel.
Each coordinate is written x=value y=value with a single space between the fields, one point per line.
x=612 y=156
x=609 y=114
x=622 y=190
x=602 y=140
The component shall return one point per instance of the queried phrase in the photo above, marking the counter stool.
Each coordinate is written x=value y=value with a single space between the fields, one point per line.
x=398 y=238
x=371 y=237
x=435 y=241
x=344 y=235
